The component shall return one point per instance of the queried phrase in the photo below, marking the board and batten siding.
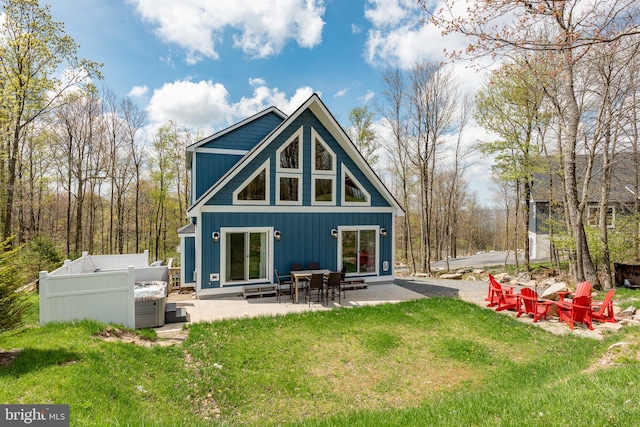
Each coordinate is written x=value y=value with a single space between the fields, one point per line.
x=247 y=136
x=189 y=259
x=210 y=168
x=306 y=237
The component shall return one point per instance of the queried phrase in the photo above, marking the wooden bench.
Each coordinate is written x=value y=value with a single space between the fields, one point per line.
x=259 y=291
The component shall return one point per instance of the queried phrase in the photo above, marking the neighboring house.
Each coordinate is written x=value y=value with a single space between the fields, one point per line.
x=547 y=199
x=273 y=190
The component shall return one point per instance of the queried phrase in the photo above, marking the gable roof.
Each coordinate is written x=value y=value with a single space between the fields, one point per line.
x=319 y=109
x=192 y=148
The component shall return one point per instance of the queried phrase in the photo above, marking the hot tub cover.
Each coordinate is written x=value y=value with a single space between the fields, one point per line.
x=154 y=289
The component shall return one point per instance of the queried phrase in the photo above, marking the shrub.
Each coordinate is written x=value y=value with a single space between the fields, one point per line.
x=36 y=255
x=12 y=300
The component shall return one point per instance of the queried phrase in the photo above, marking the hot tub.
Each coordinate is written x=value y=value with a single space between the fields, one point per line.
x=150 y=301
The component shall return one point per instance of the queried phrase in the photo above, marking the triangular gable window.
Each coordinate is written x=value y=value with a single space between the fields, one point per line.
x=289 y=155
x=353 y=192
x=254 y=190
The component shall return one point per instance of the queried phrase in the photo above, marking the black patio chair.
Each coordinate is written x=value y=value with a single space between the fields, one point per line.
x=283 y=286
x=334 y=285
x=316 y=284
x=313 y=266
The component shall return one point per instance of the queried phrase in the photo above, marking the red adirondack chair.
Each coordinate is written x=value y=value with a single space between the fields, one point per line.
x=492 y=297
x=502 y=299
x=602 y=311
x=582 y=289
x=576 y=311
x=532 y=305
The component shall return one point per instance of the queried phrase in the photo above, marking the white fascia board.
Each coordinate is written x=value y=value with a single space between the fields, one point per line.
x=329 y=122
x=296 y=209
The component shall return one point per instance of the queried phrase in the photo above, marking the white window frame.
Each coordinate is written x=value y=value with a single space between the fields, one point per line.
x=223 y=253
x=343 y=202
x=593 y=216
x=358 y=228
x=267 y=192
x=316 y=137
x=322 y=174
x=279 y=168
x=288 y=202
x=290 y=172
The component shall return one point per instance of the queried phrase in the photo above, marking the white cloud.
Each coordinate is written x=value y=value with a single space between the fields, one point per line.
x=260 y=28
x=264 y=97
x=138 y=91
x=368 y=96
x=390 y=13
x=355 y=29
x=193 y=104
x=206 y=106
x=399 y=36
x=340 y=93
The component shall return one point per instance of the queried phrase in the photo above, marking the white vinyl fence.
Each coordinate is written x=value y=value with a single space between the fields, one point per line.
x=98 y=287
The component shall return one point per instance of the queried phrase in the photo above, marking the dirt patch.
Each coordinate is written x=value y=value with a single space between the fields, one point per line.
x=8 y=356
x=118 y=335
x=620 y=353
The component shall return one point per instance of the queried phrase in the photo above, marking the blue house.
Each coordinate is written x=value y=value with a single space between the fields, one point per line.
x=273 y=190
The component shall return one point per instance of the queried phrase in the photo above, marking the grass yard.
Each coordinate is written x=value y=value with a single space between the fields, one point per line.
x=434 y=361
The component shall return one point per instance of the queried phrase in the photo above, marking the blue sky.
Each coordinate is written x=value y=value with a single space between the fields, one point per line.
x=209 y=63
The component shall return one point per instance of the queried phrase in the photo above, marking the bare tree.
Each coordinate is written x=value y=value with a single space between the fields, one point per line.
x=393 y=113
x=433 y=100
x=133 y=120
x=77 y=123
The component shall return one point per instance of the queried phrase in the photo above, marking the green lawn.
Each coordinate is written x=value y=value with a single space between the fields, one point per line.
x=434 y=361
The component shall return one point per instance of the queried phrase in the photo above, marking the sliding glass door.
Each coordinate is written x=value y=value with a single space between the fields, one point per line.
x=359 y=249
x=246 y=255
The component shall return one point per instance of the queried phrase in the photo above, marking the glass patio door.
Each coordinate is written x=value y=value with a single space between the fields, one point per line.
x=246 y=256
x=359 y=250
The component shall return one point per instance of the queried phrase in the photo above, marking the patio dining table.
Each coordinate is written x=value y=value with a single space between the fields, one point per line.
x=306 y=274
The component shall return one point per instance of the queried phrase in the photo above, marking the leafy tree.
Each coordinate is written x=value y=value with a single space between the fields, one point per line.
x=36 y=255
x=363 y=134
x=511 y=106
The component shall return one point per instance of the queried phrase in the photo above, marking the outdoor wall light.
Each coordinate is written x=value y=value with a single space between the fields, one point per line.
x=383 y=232
x=334 y=233
x=277 y=234
x=216 y=236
